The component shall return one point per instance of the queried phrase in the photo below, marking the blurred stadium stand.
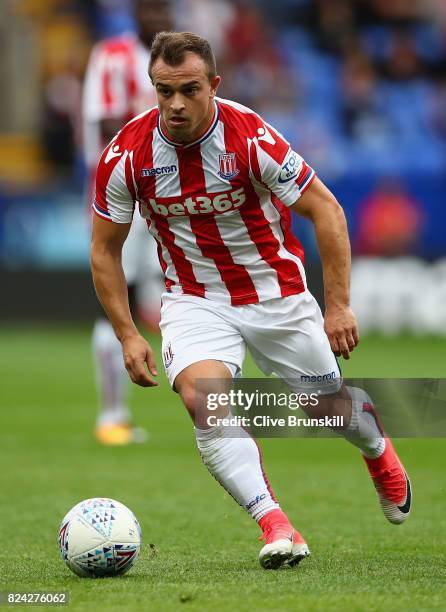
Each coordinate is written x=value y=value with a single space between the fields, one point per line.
x=357 y=86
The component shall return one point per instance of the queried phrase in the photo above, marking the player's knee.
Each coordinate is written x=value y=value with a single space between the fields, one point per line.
x=190 y=395
x=196 y=397
x=197 y=382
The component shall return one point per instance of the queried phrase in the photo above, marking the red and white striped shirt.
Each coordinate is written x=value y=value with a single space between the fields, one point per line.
x=218 y=207
x=117 y=86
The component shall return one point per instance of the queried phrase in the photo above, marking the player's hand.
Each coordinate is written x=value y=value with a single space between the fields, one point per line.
x=138 y=354
x=342 y=330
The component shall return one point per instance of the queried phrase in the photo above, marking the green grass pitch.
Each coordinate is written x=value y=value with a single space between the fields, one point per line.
x=204 y=554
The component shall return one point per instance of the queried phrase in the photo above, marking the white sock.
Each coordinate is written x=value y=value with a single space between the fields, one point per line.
x=363 y=430
x=111 y=376
x=233 y=458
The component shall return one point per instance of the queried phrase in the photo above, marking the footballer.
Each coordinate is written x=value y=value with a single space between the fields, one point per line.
x=217 y=186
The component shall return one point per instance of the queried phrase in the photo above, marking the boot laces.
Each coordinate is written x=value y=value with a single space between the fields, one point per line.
x=277 y=532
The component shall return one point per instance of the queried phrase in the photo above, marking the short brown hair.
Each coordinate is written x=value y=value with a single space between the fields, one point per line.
x=171 y=47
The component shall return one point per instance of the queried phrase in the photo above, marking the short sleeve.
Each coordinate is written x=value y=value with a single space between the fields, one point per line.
x=115 y=191
x=276 y=165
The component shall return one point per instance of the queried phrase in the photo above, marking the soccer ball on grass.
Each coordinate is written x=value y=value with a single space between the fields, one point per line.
x=99 y=537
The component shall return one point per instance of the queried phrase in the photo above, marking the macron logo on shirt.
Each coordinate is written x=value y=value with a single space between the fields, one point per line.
x=157 y=171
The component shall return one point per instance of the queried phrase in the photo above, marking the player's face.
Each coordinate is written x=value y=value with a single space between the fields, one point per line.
x=152 y=16
x=185 y=97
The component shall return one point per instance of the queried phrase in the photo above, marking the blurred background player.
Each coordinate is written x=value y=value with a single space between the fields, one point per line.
x=117 y=89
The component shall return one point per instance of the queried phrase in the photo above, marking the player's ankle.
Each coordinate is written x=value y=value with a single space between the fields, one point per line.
x=273 y=517
x=374 y=451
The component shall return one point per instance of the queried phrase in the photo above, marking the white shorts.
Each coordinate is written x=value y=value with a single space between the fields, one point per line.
x=285 y=336
x=139 y=254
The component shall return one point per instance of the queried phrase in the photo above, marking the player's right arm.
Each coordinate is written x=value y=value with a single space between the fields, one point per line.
x=108 y=276
x=113 y=208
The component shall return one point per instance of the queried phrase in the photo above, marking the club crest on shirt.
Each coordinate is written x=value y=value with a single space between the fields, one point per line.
x=228 y=166
x=168 y=355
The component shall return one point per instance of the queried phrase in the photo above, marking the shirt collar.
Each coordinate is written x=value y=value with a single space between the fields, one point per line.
x=205 y=136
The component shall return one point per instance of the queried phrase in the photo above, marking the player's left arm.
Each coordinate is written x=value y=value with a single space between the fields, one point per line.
x=320 y=206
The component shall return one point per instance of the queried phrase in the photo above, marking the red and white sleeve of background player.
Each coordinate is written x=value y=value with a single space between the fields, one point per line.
x=276 y=165
x=115 y=184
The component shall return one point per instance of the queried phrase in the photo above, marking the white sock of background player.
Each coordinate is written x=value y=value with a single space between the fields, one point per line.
x=233 y=458
x=111 y=376
x=363 y=430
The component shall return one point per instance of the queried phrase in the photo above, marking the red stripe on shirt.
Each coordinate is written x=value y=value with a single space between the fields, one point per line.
x=279 y=149
x=207 y=235
x=183 y=267
x=290 y=241
x=260 y=232
x=106 y=90
x=129 y=178
x=168 y=282
x=146 y=187
x=303 y=173
x=108 y=50
x=132 y=83
x=259 y=129
x=255 y=166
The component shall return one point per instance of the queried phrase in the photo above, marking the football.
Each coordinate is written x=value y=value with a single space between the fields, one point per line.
x=99 y=537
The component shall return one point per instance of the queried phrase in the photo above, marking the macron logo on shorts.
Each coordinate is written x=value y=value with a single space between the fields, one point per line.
x=319 y=377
